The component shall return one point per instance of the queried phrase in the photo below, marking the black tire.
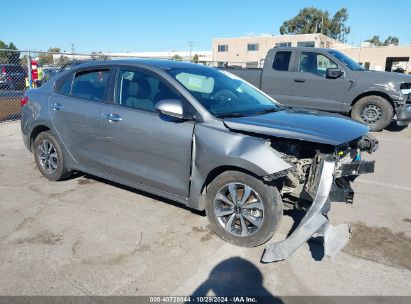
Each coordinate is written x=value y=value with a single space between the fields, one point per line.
x=373 y=104
x=271 y=214
x=61 y=171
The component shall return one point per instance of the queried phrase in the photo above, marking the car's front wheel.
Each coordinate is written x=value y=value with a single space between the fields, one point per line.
x=242 y=209
x=49 y=157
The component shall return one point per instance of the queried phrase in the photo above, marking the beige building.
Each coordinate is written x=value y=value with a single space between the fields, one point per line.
x=381 y=58
x=251 y=51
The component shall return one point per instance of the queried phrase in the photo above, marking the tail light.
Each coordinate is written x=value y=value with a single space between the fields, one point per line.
x=23 y=101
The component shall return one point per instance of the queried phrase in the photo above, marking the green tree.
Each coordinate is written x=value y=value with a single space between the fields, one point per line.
x=195 y=58
x=311 y=20
x=99 y=56
x=8 y=57
x=391 y=40
x=47 y=58
x=375 y=41
x=63 y=60
x=177 y=57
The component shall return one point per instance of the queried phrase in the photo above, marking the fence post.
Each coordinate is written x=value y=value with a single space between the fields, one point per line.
x=29 y=70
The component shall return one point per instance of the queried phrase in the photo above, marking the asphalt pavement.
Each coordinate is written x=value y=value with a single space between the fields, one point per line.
x=87 y=236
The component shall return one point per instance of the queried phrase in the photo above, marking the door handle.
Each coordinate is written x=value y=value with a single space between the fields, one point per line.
x=113 y=117
x=299 y=80
x=56 y=106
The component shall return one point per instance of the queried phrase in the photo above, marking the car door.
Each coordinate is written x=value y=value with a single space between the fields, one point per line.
x=76 y=109
x=141 y=145
x=276 y=77
x=310 y=88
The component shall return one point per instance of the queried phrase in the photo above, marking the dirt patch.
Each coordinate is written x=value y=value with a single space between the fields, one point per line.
x=208 y=236
x=58 y=195
x=85 y=181
x=206 y=231
x=110 y=259
x=25 y=222
x=45 y=237
x=204 y=228
x=381 y=245
x=407 y=220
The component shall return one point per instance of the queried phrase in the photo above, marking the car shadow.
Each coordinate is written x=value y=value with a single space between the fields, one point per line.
x=78 y=174
x=236 y=277
x=393 y=127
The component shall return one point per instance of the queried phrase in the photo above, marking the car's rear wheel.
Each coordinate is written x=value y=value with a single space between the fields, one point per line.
x=242 y=209
x=49 y=157
x=375 y=111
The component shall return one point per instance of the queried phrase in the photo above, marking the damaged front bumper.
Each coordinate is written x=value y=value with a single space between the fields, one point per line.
x=404 y=114
x=325 y=183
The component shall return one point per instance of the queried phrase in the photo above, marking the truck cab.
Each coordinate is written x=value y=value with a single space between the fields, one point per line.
x=327 y=80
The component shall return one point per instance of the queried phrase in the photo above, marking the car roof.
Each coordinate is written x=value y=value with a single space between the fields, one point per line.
x=162 y=64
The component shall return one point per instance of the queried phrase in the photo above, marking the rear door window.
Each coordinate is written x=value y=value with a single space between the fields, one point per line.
x=63 y=86
x=91 y=85
x=281 y=61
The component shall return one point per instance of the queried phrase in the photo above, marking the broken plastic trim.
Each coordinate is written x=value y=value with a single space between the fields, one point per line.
x=315 y=221
x=277 y=175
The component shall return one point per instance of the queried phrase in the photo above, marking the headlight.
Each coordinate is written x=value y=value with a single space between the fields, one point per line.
x=405 y=88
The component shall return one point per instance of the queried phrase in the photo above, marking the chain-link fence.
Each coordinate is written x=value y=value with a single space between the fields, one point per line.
x=23 y=70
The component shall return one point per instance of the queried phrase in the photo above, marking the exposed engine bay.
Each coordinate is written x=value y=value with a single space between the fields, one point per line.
x=301 y=155
x=321 y=174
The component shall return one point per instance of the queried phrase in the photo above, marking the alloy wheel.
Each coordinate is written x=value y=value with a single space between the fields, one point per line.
x=239 y=209
x=47 y=155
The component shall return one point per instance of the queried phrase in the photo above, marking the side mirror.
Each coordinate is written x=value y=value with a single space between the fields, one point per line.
x=171 y=107
x=333 y=73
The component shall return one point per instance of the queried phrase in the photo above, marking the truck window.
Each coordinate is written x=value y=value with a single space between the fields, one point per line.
x=281 y=60
x=315 y=63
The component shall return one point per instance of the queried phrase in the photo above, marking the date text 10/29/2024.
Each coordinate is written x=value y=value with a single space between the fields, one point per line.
x=204 y=299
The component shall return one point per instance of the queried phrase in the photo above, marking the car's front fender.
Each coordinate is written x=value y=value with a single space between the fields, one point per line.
x=215 y=147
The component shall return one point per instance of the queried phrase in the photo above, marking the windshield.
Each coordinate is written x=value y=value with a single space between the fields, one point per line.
x=223 y=94
x=350 y=63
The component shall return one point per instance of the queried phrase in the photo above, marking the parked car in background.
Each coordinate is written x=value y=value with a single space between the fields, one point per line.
x=328 y=80
x=12 y=77
x=201 y=137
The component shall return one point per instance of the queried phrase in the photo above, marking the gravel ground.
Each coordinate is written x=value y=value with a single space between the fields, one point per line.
x=87 y=236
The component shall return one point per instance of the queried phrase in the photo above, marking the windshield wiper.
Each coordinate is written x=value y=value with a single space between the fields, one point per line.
x=265 y=111
x=226 y=115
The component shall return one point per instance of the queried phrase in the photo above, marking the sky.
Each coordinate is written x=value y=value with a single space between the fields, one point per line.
x=165 y=25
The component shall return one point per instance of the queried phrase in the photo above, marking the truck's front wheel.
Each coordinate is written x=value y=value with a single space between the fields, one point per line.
x=375 y=111
x=242 y=209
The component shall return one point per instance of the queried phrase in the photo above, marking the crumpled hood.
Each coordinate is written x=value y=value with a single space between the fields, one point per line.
x=313 y=126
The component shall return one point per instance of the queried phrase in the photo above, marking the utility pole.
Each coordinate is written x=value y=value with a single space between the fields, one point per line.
x=72 y=49
x=190 y=44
